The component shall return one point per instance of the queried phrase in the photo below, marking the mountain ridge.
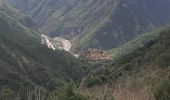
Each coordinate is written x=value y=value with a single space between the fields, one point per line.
x=96 y=23
x=25 y=62
x=140 y=75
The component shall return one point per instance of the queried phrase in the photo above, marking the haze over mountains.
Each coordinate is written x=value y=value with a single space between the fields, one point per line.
x=38 y=39
x=96 y=23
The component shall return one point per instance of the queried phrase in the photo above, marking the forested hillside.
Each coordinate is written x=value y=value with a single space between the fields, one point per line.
x=142 y=75
x=114 y=50
x=27 y=64
x=96 y=23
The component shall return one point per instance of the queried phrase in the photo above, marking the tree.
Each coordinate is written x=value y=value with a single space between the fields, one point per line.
x=6 y=94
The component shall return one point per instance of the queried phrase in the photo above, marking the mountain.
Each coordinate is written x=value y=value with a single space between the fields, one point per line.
x=26 y=62
x=135 y=43
x=141 y=75
x=101 y=24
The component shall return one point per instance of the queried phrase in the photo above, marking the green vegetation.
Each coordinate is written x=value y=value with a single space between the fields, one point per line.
x=30 y=70
x=135 y=43
x=68 y=93
x=25 y=62
x=139 y=67
x=6 y=94
x=96 y=23
x=162 y=92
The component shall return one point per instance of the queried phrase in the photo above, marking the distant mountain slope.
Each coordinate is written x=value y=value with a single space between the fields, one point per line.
x=135 y=43
x=141 y=75
x=96 y=23
x=24 y=61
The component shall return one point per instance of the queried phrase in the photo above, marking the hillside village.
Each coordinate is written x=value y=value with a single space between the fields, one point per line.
x=97 y=55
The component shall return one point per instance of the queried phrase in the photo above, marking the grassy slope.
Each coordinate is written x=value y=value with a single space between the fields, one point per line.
x=143 y=74
x=96 y=23
x=135 y=43
x=24 y=61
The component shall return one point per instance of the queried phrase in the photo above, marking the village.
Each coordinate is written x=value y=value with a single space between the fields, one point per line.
x=94 y=54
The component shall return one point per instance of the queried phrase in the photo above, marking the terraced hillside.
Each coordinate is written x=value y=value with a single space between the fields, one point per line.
x=25 y=62
x=96 y=23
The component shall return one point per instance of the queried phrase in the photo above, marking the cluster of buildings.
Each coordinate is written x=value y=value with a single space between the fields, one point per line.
x=97 y=55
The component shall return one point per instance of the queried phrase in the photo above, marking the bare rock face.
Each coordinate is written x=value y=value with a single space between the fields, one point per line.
x=97 y=55
x=46 y=41
x=56 y=43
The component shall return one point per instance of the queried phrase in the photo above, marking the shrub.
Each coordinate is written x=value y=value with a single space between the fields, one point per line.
x=66 y=94
x=162 y=92
x=6 y=94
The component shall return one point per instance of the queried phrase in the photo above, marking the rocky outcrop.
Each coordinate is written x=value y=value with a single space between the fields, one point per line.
x=56 y=43
x=46 y=41
x=66 y=44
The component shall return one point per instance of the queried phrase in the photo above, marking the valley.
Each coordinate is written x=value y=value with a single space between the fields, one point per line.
x=140 y=75
x=95 y=23
x=84 y=50
x=25 y=63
